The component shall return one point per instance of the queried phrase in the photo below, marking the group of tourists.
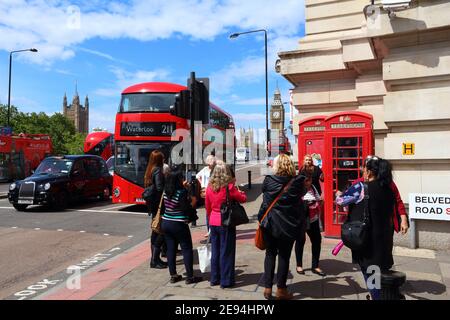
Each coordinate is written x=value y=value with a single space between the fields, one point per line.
x=291 y=208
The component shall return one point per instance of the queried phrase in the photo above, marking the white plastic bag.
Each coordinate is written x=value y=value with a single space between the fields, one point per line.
x=204 y=257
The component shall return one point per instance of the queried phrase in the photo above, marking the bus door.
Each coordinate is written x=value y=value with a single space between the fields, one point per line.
x=348 y=140
x=18 y=165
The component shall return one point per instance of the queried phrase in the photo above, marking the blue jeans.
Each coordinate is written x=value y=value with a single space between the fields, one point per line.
x=223 y=255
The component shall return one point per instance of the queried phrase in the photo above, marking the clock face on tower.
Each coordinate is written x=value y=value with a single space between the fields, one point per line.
x=276 y=114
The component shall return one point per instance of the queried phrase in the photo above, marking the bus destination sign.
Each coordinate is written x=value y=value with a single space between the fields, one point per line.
x=147 y=128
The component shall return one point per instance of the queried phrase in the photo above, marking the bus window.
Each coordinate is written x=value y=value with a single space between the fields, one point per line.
x=132 y=159
x=147 y=102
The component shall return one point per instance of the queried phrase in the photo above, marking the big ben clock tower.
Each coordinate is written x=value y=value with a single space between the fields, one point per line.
x=277 y=112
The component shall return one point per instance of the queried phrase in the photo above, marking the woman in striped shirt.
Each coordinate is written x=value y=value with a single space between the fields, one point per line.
x=179 y=208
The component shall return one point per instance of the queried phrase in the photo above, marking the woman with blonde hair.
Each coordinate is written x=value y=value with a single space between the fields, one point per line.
x=223 y=239
x=282 y=194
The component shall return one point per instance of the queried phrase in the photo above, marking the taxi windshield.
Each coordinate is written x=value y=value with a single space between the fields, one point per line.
x=54 y=166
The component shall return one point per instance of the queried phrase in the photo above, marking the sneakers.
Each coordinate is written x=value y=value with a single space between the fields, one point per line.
x=193 y=280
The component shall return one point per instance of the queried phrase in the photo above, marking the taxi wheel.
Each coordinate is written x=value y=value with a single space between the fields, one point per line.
x=20 y=207
x=60 y=201
x=106 y=193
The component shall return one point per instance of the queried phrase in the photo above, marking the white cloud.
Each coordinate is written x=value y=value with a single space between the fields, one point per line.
x=99 y=116
x=249 y=70
x=102 y=55
x=124 y=79
x=52 y=28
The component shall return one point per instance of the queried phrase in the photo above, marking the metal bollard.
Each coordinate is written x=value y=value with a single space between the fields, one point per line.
x=391 y=282
x=249 y=179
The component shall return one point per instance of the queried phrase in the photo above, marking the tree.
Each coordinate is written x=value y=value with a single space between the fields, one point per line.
x=76 y=144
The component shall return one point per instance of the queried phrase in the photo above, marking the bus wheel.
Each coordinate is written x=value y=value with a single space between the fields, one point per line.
x=61 y=201
x=20 y=207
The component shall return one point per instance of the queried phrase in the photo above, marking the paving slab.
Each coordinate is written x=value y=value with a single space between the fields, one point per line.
x=414 y=253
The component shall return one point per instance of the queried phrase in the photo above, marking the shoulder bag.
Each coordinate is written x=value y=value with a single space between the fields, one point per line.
x=355 y=234
x=232 y=212
x=156 y=222
x=259 y=240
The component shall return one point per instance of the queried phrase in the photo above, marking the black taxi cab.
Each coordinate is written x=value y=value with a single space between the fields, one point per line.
x=59 y=180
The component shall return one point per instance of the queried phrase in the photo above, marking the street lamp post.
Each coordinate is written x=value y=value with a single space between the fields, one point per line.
x=235 y=35
x=9 y=88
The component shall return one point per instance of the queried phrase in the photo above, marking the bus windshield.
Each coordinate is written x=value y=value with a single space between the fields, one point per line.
x=147 y=102
x=132 y=159
x=54 y=166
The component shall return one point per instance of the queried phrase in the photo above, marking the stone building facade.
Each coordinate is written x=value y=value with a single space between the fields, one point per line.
x=77 y=113
x=396 y=67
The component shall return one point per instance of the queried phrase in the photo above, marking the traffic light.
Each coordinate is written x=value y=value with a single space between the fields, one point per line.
x=182 y=104
x=200 y=91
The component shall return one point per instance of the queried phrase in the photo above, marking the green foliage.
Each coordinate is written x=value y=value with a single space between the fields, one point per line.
x=65 y=139
x=75 y=146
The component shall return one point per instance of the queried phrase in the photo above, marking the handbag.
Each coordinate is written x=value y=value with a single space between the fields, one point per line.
x=156 y=222
x=232 y=212
x=204 y=256
x=355 y=234
x=259 y=240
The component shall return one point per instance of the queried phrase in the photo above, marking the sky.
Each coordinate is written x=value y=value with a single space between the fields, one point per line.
x=106 y=46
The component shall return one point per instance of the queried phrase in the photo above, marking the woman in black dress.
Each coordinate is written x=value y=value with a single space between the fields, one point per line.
x=378 y=251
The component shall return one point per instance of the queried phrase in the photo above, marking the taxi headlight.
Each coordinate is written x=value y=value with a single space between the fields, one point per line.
x=12 y=186
x=47 y=186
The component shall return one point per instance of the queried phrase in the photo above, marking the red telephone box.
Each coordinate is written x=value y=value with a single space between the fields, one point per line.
x=348 y=141
x=311 y=139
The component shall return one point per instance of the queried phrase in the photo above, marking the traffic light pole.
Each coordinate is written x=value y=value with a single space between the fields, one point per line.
x=192 y=106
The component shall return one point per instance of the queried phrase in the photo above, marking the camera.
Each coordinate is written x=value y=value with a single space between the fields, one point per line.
x=395 y=5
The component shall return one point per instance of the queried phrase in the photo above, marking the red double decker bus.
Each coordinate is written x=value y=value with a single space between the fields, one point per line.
x=144 y=123
x=99 y=143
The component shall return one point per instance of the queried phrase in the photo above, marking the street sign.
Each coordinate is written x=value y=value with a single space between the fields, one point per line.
x=408 y=149
x=429 y=206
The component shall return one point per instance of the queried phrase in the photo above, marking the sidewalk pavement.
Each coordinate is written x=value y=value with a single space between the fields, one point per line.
x=427 y=271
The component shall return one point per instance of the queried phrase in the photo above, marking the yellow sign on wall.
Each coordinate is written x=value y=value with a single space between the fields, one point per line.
x=409 y=149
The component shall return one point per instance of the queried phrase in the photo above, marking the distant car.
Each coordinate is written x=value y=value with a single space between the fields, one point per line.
x=242 y=154
x=58 y=180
